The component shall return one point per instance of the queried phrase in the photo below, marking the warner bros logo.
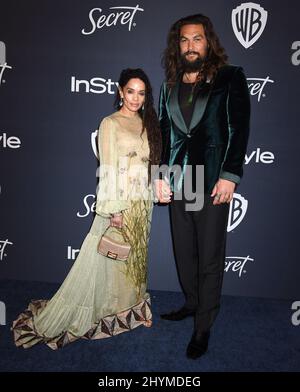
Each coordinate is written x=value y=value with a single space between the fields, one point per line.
x=248 y=22
x=3 y=63
x=237 y=211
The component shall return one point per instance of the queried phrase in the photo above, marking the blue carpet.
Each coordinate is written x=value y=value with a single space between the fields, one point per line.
x=250 y=334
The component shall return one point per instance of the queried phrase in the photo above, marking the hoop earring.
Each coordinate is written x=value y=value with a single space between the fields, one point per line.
x=143 y=107
x=121 y=101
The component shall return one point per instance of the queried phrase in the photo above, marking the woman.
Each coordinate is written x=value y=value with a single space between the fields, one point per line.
x=102 y=297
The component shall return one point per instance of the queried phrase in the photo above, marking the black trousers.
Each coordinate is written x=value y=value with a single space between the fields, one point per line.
x=199 y=241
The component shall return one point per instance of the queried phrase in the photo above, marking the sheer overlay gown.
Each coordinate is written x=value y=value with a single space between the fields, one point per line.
x=102 y=297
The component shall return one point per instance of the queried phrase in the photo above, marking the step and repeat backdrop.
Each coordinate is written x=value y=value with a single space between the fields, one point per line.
x=59 y=63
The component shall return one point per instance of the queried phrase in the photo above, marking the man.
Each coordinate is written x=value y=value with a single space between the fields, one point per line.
x=204 y=115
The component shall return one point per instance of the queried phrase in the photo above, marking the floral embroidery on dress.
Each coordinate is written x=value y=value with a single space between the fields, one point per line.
x=131 y=154
x=145 y=159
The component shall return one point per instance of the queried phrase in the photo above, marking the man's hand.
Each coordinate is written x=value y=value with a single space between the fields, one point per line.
x=116 y=220
x=223 y=191
x=162 y=191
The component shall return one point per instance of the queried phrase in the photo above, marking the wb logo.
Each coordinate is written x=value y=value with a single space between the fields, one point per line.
x=3 y=63
x=248 y=22
x=237 y=211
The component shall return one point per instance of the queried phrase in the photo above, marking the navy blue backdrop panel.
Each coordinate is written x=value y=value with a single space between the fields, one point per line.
x=59 y=62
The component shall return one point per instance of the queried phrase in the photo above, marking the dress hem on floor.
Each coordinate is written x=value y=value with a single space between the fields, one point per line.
x=25 y=334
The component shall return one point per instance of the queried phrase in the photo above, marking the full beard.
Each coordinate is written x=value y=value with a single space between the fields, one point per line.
x=191 y=66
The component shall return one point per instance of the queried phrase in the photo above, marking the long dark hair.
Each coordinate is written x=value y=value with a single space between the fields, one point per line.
x=147 y=114
x=216 y=56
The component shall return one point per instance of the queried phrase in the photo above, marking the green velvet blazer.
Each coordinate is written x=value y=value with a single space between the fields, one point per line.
x=218 y=133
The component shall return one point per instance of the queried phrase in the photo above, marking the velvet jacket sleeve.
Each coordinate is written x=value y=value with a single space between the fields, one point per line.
x=238 y=118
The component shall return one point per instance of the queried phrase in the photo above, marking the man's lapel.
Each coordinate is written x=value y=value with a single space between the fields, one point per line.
x=200 y=105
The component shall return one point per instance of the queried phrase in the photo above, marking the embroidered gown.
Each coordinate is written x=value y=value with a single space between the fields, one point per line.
x=102 y=297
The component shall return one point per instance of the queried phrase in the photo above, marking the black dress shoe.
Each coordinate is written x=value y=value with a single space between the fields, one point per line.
x=178 y=314
x=198 y=345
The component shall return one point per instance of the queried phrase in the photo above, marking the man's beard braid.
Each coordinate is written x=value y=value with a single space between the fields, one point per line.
x=194 y=66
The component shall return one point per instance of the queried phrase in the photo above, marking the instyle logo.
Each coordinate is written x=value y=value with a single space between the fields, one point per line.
x=296 y=55
x=248 y=22
x=3 y=63
x=94 y=85
x=296 y=315
x=9 y=141
x=2 y=313
x=3 y=245
x=72 y=253
x=257 y=156
x=257 y=85
x=123 y=15
x=237 y=264
x=237 y=211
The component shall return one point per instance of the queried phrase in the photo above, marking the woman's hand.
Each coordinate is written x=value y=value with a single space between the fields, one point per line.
x=223 y=191
x=117 y=220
